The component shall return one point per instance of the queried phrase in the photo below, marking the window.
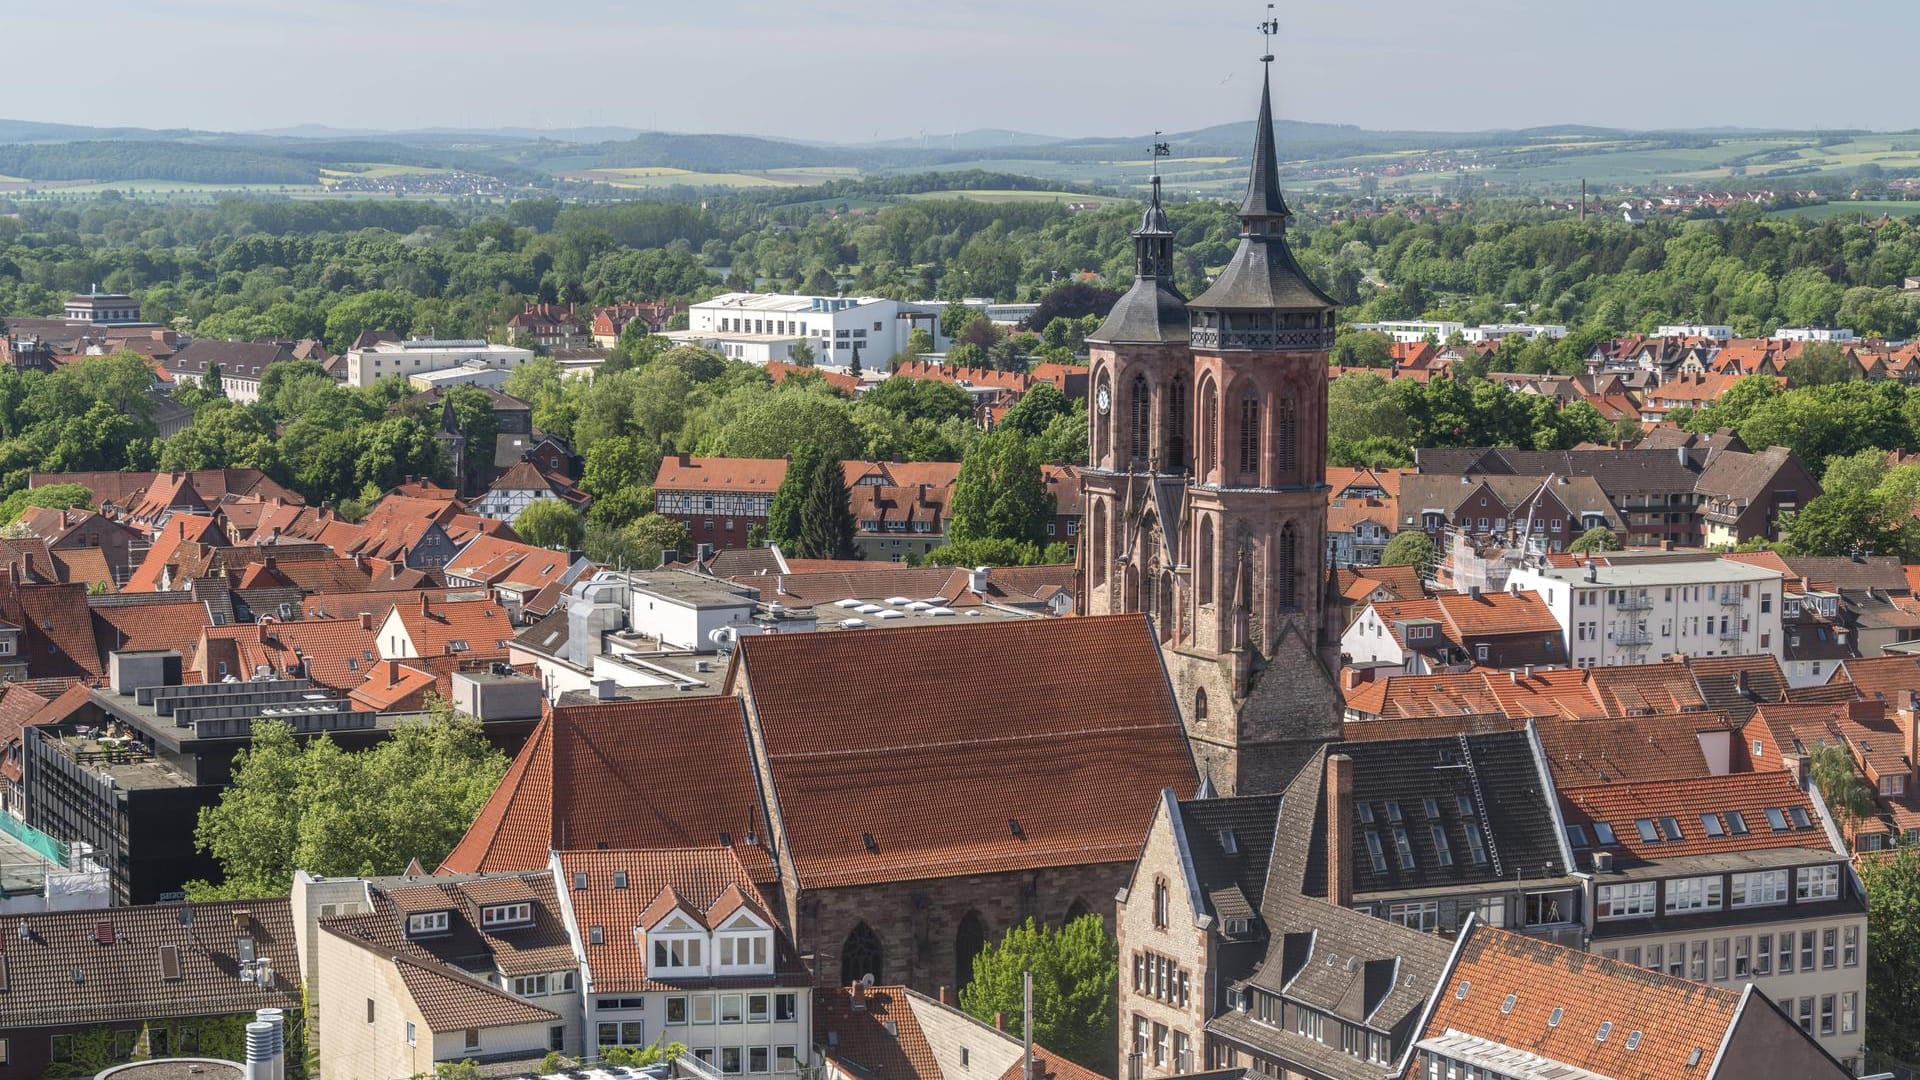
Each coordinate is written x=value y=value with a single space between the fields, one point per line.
x=786 y=1059
x=1850 y=946
x=1760 y=888
x=756 y=1008
x=369 y=1010
x=506 y=914
x=1693 y=894
x=1786 y=953
x=472 y=1039
x=413 y=1036
x=1625 y=901
x=1763 y=955
x=1648 y=832
x=730 y=1060
x=427 y=922
x=730 y=1008
x=1376 y=854
x=1826 y=1014
x=785 y=1006
x=702 y=1008
x=1719 y=959
x=1849 y=1012
x=1806 y=1015
x=676 y=1010
x=757 y=1059
x=1441 y=850
x=1829 y=945
x=1742 y=957
x=1697 y=960
x=1250 y=435
x=1817 y=883
x=1807 y=945
x=556 y=1037
x=1416 y=915
x=1160 y=901
x=1603 y=834
x=1404 y=846
x=530 y=985
x=1736 y=822
x=1776 y=819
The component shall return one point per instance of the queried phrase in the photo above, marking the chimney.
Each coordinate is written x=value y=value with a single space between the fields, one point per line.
x=366 y=620
x=1473 y=592
x=946 y=996
x=1350 y=678
x=1740 y=684
x=977 y=579
x=271 y=563
x=277 y=1020
x=686 y=460
x=605 y=689
x=999 y=1021
x=425 y=610
x=1340 y=830
x=858 y=992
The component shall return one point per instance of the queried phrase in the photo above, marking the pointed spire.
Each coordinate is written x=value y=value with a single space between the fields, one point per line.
x=1263 y=182
x=1242 y=603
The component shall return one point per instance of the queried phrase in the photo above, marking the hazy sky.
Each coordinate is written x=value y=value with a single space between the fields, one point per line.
x=851 y=69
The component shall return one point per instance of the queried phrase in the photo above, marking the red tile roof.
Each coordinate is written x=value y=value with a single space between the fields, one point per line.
x=699 y=876
x=56 y=633
x=181 y=528
x=1531 y=995
x=630 y=774
x=1631 y=750
x=336 y=653
x=1032 y=757
x=440 y=629
x=684 y=473
x=1685 y=800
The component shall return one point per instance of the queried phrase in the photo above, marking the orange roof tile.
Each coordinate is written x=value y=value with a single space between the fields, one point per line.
x=1685 y=800
x=1531 y=995
x=475 y=629
x=684 y=473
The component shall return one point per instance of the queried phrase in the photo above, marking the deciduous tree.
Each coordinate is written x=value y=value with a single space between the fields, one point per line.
x=1074 y=988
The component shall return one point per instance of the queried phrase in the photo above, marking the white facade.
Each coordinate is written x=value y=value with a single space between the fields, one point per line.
x=1636 y=611
x=1715 y=332
x=1409 y=331
x=1812 y=333
x=419 y=356
x=760 y=328
x=1501 y=331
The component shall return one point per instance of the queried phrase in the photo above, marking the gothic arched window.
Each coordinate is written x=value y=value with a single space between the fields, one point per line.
x=1140 y=407
x=1161 y=915
x=1199 y=706
x=1204 y=559
x=861 y=955
x=1076 y=910
x=1250 y=435
x=1286 y=436
x=1287 y=571
x=1209 y=431
x=968 y=940
x=1176 y=423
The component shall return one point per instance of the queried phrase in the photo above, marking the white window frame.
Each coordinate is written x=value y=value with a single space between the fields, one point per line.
x=1760 y=888
x=1815 y=883
x=1631 y=900
x=1693 y=894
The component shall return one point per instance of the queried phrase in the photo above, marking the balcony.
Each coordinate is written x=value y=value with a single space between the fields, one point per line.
x=1731 y=599
x=1731 y=633
x=1636 y=602
x=1630 y=638
x=1286 y=339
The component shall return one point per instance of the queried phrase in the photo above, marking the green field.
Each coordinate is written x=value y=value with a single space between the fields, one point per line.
x=990 y=195
x=659 y=176
x=375 y=170
x=1872 y=208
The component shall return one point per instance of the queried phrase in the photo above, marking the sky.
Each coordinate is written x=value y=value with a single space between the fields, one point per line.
x=854 y=70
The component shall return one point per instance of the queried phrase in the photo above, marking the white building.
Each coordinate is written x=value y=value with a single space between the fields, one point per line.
x=1717 y=333
x=760 y=328
x=419 y=356
x=1622 y=609
x=1408 y=331
x=465 y=373
x=1813 y=333
x=1501 y=331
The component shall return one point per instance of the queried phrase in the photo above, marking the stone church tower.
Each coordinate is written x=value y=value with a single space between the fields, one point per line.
x=1206 y=496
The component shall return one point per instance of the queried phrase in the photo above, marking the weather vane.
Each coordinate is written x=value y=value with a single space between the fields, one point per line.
x=1160 y=150
x=1267 y=29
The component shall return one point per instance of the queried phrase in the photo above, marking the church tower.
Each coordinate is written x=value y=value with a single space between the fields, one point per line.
x=1206 y=496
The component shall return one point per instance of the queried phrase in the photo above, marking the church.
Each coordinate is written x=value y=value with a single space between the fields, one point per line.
x=1206 y=497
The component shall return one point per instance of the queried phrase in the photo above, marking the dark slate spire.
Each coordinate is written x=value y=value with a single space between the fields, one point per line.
x=1264 y=200
x=1153 y=309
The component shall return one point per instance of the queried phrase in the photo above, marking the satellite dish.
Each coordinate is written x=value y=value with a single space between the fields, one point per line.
x=866 y=981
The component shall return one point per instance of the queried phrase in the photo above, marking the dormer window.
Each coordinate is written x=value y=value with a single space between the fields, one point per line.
x=426 y=924
x=676 y=953
x=502 y=915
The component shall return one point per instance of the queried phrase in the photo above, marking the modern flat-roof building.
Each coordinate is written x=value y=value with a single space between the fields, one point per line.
x=1619 y=608
x=763 y=327
x=103 y=309
x=419 y=356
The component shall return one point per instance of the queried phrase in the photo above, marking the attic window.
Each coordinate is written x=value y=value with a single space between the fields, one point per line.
x=1554 y=1017
x=619 y=879
x=1671 y=826
x=1576 y=836
x=1736 y=824
x=1606 y=1029
x=1694 y=1058
x=1633 y=1039
x=1366 y=813
x=427 y=923
x=169 y=962
x=596 y=935
x=867 y=839
x=1393 y=811
x=1603 y=834
x=1647 y=831
x=1228 y=843
x=1461 y=993
x=1776 y=819
x=1800 y=819
x=457 y=645
x=1507 y=1005
x=1431 y=807
x=1013 y=826
x=580 y=879
x=1711 y=823
x=519 y=914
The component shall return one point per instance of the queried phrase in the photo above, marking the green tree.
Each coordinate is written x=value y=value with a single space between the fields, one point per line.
x=1598 y=538
x=53 y=496
x=294 y=805
x=639 y=543
x=826 y=517
x=1819 y=363
x=1074 y=990
x=914 y=399
x=1000 y=493
x=479 y=425
x=1411 y=548
x=800 y=353
x=1893 y=954
x=919 y=341
x=1037 y=408
x=997 y=553
x=1846 y=792
x=550 y=523
x=379 y=309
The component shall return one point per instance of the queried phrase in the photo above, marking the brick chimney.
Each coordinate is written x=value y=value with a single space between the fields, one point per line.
x=1000 y=1021
x=425 y=611
x=366 y=620
x=1340 y=830
x=946 y=996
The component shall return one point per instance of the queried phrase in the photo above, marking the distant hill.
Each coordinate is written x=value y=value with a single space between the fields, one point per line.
x=978 y=139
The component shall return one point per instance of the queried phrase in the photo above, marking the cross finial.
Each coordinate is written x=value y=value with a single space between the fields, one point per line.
x=1267 y=29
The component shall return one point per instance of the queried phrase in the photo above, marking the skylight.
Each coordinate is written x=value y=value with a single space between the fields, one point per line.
x=1800 y=818
x=1606 y=1029
x=1671 y=826
x=1554 y=1017
x=1776 y=819
x=1507 y=1005
x=1576 y=836
x=1736 y=824
x=1603 y=834
x=1647 y=832
x=1711 y=823
x=1633 y=1039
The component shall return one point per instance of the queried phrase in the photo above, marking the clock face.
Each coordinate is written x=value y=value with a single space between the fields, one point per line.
x=1103 y=399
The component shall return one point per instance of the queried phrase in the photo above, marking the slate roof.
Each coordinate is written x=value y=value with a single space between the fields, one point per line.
x=630 y=774
x=117 y=953
x=1504 y=988
x=1511 y=815
x=1620 y=472
x=1233 y=882
x=1031 y=757
x=1737 y=685
x=524 y=949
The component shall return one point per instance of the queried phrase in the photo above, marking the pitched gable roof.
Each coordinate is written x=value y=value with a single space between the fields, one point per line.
x=630 y=774
x=1049 y=762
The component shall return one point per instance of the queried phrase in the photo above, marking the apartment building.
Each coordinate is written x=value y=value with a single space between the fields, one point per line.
x=760 y=328
x=1622 y=608
x=422 y=356
x=1456 y=631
